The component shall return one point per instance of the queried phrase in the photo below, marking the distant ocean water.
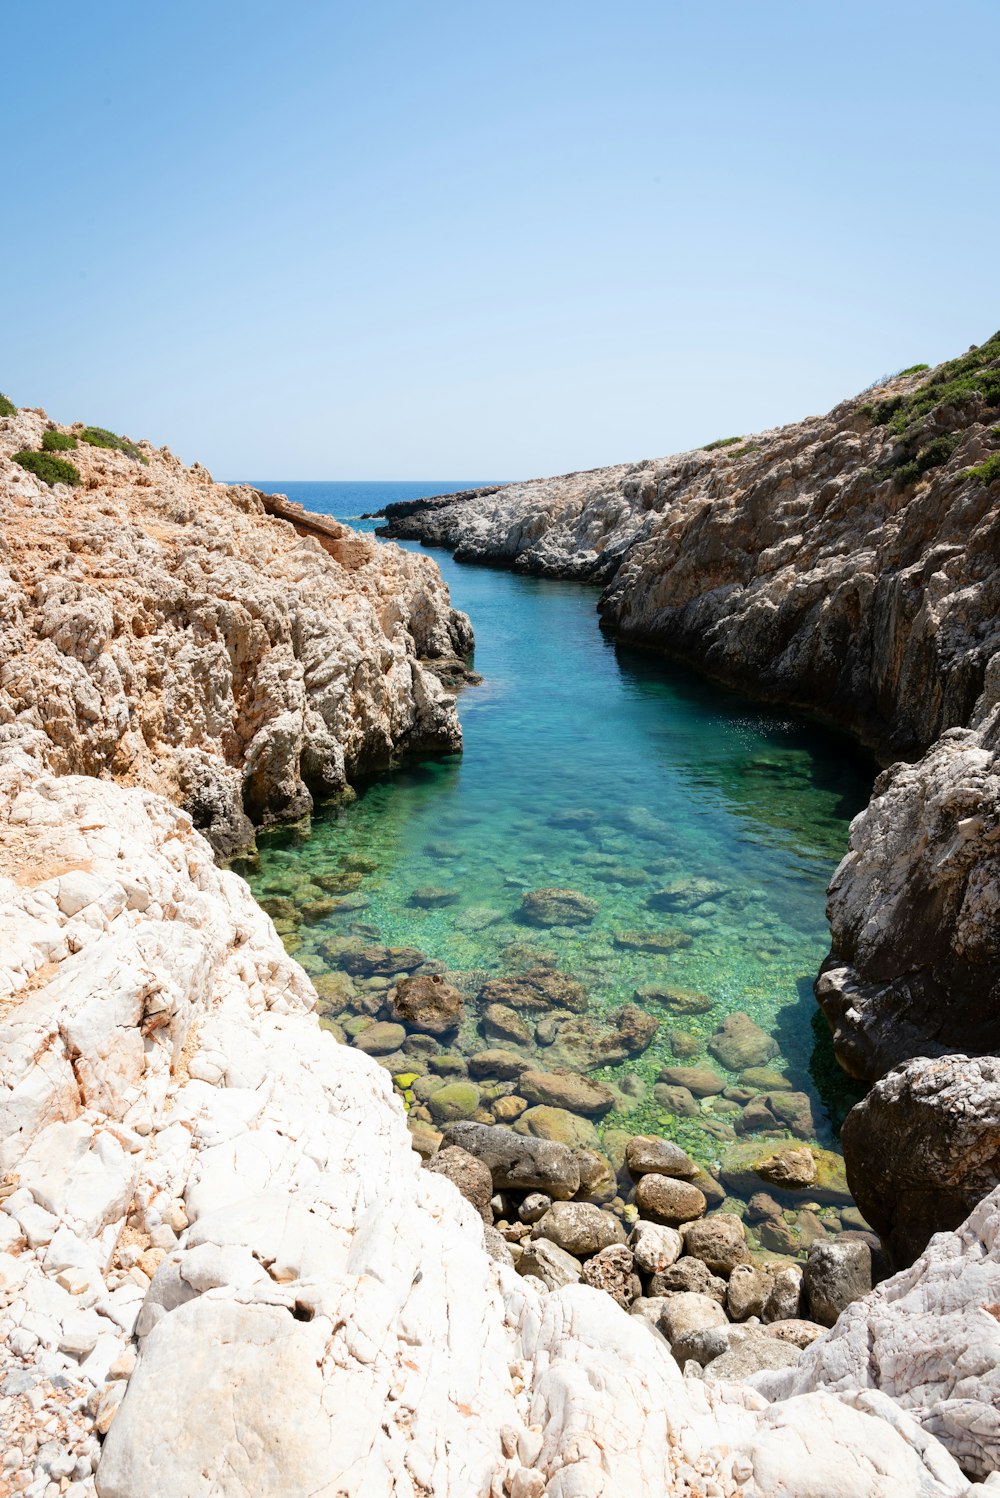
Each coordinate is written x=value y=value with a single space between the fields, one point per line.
x=349 y=501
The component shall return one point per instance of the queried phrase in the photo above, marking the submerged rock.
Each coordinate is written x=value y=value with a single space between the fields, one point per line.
x=557 y=907
x=583 y=1043
x=740 y=1042
x=677 y=1000
x=534 y=992
x=653 y=941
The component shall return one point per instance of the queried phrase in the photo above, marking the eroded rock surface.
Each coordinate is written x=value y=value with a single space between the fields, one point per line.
x=167 y=631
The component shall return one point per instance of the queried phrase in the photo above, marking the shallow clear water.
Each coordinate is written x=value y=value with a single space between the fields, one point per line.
x=608 y=771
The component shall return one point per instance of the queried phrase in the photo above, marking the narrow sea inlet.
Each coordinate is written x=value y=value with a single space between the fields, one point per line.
x=615 y=819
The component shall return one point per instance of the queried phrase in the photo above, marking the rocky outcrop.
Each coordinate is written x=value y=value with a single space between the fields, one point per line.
x=164 y=630
x=929 y=1338
x=924 y=1147
x=222 y=1268
x=847 y=564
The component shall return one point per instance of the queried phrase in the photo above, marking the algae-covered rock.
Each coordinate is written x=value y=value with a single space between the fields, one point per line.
x=740 y=1042
x=380 y=1039
x=652 y=941
x=677 y=1000
x=748 y=1164
x=454 y=1100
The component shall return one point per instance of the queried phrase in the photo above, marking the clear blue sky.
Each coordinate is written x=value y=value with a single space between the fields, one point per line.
x=435 y=239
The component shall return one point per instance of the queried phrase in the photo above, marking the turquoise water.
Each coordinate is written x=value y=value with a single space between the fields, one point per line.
x=610 y=772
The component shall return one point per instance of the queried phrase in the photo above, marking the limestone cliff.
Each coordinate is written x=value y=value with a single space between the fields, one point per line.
x=165 y=630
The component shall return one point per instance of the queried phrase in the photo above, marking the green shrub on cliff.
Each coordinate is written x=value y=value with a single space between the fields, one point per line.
x=710 y=447
x=950 y=383
x=58 y=442
x=49 y=469
x=988 y=472
x=913 y=369
x=908 y=469
x=7 y=407
x=101 y=437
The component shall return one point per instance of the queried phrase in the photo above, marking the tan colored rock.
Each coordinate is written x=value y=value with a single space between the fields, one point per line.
x=664 y=1199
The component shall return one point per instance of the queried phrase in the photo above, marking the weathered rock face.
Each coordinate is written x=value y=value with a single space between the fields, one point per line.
x=165 y=630
x=924 y=1147
x=915 y=908
x=206 y=1203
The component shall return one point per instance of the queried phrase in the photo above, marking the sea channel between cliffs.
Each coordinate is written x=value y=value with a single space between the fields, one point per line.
x=695 y=832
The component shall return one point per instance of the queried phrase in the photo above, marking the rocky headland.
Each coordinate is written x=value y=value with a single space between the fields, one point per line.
x=848 y=565
x=224 y=1267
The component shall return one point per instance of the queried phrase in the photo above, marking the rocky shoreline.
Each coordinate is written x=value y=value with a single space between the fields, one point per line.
x=846 y=564
x=223 y=1268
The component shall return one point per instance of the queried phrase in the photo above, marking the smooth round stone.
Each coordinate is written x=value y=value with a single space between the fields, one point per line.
x=507 y=1109
x=765 y=1079
x=645 y=1155
x=689 y=1312
x=678 y=1101
x=700 y=1080
x=683 y=1043
x=380 y=1039
x=579 y=1227
x=455 y=1100
x=557 y=907
x=506 y=1065
x=664 y=1199
x=431 y=896
x=358 y=1022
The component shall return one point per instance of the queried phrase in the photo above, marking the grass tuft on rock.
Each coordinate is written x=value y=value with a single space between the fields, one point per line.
x=49 y=469
x=58 y=442
x=711 y=447
x=7 y=406
x=913 y=369
x=101 y=437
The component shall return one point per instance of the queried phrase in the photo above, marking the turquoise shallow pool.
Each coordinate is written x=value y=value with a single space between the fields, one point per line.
x=681 y=812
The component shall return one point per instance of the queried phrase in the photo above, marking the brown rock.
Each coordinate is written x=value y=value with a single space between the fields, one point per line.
x=700 y=1080
x=536 y=991
x=427 y=1003
x=664 y=1199
x=646 y=1154
x=470 y=1175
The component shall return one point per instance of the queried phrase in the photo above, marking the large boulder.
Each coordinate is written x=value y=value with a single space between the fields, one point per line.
x=583 y=1043
x=719 y=1241
x=426 y=1003
x=929 y=1340
x=518 y=1162
x=924 y=1147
